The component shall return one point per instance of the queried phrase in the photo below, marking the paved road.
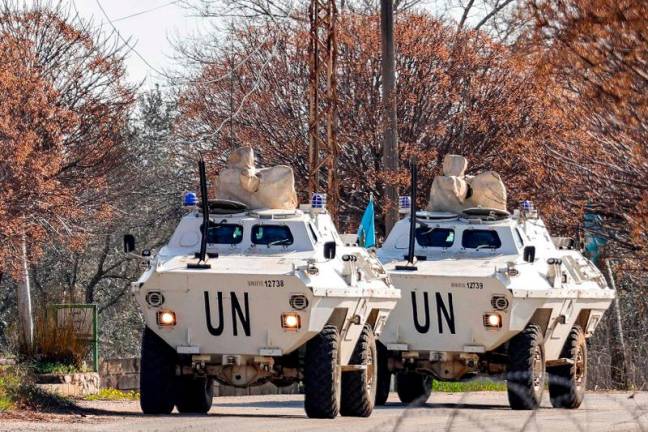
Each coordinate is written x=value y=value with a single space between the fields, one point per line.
x=487 y=411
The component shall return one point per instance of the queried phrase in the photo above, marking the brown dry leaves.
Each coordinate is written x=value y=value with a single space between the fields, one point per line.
x=597 y=51
x=62 y=112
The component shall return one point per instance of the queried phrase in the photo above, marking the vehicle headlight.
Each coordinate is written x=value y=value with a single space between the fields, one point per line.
x=492 y=320
x=290 y=321
x=166 y=318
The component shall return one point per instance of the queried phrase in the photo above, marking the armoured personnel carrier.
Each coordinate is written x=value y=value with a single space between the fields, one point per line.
x=487 y=292
x=245 y=296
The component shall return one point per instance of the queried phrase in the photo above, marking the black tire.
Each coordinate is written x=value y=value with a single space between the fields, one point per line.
x=525 y=376
x=157 y=374
x=194 y=395
x=359 y=387
x=567 y=383
x=322 y=375
x=384 y=375
x=413 y=388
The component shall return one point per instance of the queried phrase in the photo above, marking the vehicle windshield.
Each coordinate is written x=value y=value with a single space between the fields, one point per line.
x=480 y=239
x=435 y=237
x=224 y=233
x=272 y=235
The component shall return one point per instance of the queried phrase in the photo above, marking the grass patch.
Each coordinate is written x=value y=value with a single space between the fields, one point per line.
x=110 y=394
x=18 y=391
x=468 y=386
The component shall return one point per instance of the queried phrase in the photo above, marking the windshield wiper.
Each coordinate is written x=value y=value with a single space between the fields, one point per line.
x=278 y=242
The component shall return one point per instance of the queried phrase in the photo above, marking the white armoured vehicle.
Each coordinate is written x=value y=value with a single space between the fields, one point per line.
x=487 y=292
x=270 y=295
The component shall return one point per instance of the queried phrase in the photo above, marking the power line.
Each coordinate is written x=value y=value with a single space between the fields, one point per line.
x=146 y=11
x=103 y=11
x=229 y=73
x=254 y=88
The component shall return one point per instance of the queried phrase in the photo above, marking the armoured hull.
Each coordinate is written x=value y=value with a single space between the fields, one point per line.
x=484 y=291
x=449 y=313
x=278 y=299
x=236 y=307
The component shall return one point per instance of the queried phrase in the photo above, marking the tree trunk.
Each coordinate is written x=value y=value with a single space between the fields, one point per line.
x=24 y=302
x=618 y=364
x=390 y=121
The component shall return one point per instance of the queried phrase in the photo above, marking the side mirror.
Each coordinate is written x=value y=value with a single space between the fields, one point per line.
x=529 y=254
x=129 y=243
x=329 y=250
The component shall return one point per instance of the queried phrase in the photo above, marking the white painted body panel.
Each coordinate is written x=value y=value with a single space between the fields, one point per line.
x=459 y=284
x=255 y=283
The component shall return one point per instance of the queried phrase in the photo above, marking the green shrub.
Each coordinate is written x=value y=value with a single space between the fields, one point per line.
x=45 y=367
x=9 y=388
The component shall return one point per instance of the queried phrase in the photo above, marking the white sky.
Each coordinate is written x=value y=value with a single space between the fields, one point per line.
x=149 y=32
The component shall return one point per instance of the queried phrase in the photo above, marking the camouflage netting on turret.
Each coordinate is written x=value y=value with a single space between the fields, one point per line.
x=454 y=191
x=272 y=188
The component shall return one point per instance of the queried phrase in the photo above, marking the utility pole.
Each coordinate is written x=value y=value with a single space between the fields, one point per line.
x=616 y=342
x=390 y=139
x=231 y=89
x=322 y=100
x=24 y=301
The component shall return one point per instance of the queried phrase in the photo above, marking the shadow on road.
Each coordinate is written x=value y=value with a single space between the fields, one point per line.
x=114 y=413
x=263 y=404
x=283 y=405
x=459 y=406
x=82 y=411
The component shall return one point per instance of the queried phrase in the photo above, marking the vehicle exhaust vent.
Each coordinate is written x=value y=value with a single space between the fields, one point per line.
x=500 y=302
x=154 y=298
x=298 y=302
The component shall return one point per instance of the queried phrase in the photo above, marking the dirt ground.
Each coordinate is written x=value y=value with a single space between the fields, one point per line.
x=443 y=411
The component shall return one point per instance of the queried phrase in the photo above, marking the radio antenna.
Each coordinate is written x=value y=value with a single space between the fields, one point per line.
x=204 y=203
x=411 y=257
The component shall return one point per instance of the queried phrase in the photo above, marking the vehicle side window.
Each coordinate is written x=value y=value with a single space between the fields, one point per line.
x=435 y=237
x=480 y=239
x=272 y=235
x=219 y=233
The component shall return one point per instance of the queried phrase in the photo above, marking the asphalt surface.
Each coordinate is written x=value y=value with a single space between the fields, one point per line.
x=486 y=411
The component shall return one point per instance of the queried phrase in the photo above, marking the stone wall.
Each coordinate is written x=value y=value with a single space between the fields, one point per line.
x=123 y=374
x=72 y=384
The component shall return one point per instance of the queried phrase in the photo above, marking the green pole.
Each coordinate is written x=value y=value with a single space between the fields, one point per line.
x=95 y=335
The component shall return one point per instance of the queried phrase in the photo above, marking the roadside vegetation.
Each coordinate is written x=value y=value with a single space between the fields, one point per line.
x=19 y=391
x=110 y=394
x=476 y=385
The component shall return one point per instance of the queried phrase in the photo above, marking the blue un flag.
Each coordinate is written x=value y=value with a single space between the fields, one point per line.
x=367 y=229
